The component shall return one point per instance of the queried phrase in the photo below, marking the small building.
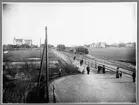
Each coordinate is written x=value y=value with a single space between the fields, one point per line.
x=22 y=41
x=28 y=42
x=18 y=41
x=114 y=45
x=93 y=45
x=70 y=49
x=98 y=45
x=130 y=44
x=102 y=44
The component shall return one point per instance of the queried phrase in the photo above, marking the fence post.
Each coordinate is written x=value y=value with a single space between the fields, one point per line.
x=95 y=64
x=91 y=64
x=54 y=95
x=98 y=69
x=60 y=72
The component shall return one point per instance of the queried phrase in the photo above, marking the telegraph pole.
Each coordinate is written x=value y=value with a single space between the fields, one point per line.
x=95 y=63
x=40 y=47
x=47 y=71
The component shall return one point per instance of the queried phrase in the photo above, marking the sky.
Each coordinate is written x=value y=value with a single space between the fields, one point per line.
x=70 y=23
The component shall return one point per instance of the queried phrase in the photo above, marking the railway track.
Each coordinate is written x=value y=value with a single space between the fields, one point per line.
x=108 y=66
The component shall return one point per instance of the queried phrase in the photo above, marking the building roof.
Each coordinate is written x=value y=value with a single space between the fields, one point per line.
x=27 y=40
x=19 y=40
x=129 y=43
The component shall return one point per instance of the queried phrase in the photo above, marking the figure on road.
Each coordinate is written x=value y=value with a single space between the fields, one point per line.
x=134 y=76
x=74 y=58
x=120 y=74
x=117 y=72
x=81 y=62
x=99 y=68
x=103 y=68
x=60 y=72
x=88 y=69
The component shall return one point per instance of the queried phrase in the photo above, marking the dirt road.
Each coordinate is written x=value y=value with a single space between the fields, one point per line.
x=61 y=55
x=93 y=88
x=92 y=59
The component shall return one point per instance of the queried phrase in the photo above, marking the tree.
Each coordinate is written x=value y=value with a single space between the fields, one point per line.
x=61 y=47
x=122 y=45
x=9 y=47
x=87 y=45
x=134 y=44
x=34 y=46
x=42 y=45
x=107 y=45
x=82 y=49
x=24 y=46
x=50 y=46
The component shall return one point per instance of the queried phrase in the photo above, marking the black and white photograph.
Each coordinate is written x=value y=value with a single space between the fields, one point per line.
x=69 y=52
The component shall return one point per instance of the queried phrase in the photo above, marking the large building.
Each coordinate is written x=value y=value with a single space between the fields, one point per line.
x=28 y=42
x=22 y=41
x=130 y=44
x=114 y=45
x=98 y=45
x=18 y=41
x=93 y=45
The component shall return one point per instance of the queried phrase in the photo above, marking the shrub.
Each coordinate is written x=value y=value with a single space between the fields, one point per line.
x=61 y=47
x=18 y=81
x=81 y=50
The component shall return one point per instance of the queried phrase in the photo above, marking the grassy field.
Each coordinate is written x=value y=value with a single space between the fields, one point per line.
x=20 y=55
x=25 y=78
x=118 y=54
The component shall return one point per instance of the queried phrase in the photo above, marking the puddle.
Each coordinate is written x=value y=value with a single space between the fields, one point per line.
x=5 y=52
x=33 y=58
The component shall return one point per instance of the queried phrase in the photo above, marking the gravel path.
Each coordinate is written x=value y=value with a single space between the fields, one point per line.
x=93 y=88
x=61 y=55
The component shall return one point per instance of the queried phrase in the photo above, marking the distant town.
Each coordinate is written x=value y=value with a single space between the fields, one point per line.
x=104 y=45
x=28 y=43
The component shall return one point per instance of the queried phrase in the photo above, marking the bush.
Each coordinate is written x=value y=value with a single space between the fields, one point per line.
x=61 y=47
x=121 y=45
x=81 y=50
x=70 y=69
x=50 y=46
x=17 y=81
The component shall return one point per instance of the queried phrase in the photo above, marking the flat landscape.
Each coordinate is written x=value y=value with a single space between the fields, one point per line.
x=20 y=55
x=117 y=54
x=127 y=55
x=18 y=81
x=95 y=87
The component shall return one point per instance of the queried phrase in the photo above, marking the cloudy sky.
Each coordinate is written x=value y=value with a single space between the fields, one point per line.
x=70 y=23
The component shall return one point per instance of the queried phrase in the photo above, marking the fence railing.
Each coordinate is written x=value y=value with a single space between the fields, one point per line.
x=94 y=64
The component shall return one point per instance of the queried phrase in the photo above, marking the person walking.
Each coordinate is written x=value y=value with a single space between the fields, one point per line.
x=60 y=72
x=117 y=72
x=88 y=69
x=120 y=74
x=134 y=76
x=98 y=69
x=74 y=58
x=81 y=62
x=103 y=68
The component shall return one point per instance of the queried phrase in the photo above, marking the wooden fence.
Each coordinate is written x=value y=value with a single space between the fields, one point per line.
x=94 y=64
